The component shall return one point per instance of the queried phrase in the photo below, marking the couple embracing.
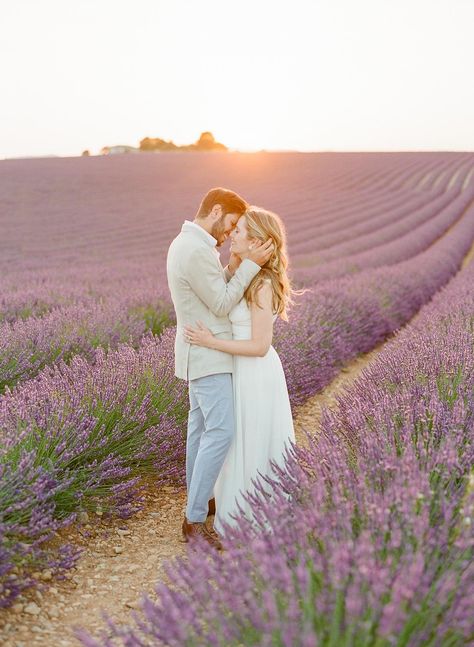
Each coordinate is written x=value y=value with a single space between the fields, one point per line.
x=240 y=417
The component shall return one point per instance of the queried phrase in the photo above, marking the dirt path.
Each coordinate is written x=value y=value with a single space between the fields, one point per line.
x=468 y=258
x=309 y=415
x=122 y=559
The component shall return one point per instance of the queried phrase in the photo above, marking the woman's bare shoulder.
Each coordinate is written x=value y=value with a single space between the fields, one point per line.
x=265 y=292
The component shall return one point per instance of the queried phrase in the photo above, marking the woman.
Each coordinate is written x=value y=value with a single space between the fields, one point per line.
x=263 y=420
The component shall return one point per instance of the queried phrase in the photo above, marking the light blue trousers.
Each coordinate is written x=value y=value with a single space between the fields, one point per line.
x=210 y=433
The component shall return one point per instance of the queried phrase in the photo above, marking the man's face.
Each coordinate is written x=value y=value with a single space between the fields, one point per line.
x=224 y=227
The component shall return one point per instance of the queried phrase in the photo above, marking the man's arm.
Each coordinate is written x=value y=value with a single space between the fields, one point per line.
x=205 y=278
x=262 y=330
x=229 y=270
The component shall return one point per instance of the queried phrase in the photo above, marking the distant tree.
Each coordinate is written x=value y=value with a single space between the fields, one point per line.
x=156 y=144
x=146 y=144
x=207 y=142
x=85 y=153
x=105 y=150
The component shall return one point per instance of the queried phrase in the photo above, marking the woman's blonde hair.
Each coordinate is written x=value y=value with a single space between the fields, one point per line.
x=262 y=225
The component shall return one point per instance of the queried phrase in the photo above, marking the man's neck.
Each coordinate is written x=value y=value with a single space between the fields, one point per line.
x=204 y=225
x=210 y=236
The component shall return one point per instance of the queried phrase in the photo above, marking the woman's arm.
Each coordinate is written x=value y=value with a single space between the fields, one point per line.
x=262 y=330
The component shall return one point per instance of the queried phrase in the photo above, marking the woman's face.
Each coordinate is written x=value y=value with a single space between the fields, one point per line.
x=239 y=237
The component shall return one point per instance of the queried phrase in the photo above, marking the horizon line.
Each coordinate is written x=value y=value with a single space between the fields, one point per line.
x=241 y=151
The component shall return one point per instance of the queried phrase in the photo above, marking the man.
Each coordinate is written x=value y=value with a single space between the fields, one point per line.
x=201 y=289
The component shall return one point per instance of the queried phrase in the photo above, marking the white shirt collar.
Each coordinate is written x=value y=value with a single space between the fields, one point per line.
x=204 y=234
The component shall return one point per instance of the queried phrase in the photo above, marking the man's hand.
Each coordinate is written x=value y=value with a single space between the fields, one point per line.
x=199 y=335
x=260 y=253
x=234 y=262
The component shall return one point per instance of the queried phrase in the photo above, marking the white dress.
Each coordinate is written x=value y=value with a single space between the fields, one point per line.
x=263 y=422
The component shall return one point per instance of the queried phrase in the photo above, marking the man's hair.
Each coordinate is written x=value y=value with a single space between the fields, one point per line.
x=229 y=201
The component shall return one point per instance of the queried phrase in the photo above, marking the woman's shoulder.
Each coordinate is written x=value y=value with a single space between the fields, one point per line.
x=264 y=294
x=264 y=282
x=265 y=286
x=266 y=290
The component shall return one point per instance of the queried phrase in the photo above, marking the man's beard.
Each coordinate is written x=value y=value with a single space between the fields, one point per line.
x=218 y=231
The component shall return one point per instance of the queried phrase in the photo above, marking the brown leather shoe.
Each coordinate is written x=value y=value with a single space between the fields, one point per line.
x=212 y=507
x=199 y=529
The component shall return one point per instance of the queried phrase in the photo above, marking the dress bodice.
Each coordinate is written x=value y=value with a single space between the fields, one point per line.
x=241 y=320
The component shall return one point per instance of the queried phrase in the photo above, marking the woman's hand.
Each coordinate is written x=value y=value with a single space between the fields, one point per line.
x=259 y=252
x=200 y=336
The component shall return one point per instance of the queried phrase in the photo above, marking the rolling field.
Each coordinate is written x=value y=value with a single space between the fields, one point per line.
x=368 y=539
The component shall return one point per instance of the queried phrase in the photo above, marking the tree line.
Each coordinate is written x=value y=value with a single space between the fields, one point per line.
x=206 y=142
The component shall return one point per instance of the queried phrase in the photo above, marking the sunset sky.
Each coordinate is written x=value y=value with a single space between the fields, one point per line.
x=260 y=74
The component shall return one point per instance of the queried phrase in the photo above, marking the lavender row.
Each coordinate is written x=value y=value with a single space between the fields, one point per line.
x=365 y=538
x=370 y=191
x=27 y=346
x=353 y=214
x=341 y=222
x=32 y=293
x=397 y=250
x=390 y=225
x=359 y=218
x=35 y=293
x=152 y=195
x=349 y=204
x=79 y=437
x=339 y=204
x=339 y=319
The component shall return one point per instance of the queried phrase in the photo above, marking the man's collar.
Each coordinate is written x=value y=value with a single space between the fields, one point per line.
x=192 y=226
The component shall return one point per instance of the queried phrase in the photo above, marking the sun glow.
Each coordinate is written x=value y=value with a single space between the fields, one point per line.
x=311 y=75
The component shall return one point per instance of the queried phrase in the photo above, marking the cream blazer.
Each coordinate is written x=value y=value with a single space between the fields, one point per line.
x=202 y=290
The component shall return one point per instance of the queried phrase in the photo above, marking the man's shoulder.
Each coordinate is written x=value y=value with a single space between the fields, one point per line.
x=184 y=246
x=187 y=239
x=189 y=253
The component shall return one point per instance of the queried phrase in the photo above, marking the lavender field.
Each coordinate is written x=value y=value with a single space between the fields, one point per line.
x=368 y=540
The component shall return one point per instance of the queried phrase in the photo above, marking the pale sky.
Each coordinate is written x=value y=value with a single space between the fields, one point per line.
x=260 y=74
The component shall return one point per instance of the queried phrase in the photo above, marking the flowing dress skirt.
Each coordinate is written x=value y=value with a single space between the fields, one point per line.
x=263 y=428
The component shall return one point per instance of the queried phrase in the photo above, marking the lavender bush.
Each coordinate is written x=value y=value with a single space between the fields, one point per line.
x=26 y=346
x=80 y=436
x=366 y=536
x=32 y=293
x=373 y=222
x=339 y=319
x=396 y=250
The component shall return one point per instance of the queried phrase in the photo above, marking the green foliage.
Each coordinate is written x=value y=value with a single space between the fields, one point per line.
x=156 y=317
x=206 y=142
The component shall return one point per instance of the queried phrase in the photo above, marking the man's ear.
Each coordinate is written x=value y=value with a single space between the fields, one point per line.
x=216 y=212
